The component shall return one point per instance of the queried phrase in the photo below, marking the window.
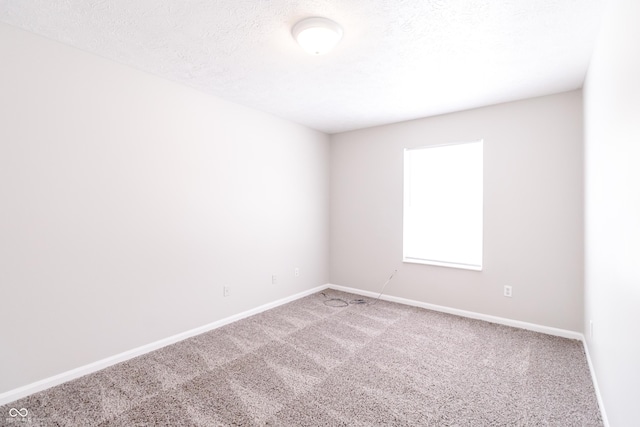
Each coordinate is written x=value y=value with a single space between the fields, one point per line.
x=443 y=205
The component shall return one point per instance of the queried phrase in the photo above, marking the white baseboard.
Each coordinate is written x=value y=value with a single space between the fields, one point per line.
x=605 y=420
x=19 y=393
x=470 y=314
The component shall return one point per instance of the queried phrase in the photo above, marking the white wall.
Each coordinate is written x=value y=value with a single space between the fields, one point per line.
x=612 y=211
x=127 y=201
x=533 y=221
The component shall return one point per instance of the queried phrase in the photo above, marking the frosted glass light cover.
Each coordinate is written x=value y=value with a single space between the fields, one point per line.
x=317 y=35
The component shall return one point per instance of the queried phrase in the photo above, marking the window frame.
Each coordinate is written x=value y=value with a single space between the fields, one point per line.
x=406 y=192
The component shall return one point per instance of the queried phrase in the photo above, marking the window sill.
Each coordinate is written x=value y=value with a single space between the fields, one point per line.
x=443 y=264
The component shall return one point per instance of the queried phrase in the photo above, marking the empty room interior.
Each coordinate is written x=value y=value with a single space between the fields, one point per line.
x=431 y=217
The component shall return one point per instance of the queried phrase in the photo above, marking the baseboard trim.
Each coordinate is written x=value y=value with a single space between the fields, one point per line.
x=464 y=313
x=605 y=420
x=20 y=392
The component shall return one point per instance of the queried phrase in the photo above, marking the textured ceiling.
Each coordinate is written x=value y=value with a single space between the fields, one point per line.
x=398 y=59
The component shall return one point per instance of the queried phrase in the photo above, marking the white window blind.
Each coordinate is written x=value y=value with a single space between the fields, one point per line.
x=443 y=201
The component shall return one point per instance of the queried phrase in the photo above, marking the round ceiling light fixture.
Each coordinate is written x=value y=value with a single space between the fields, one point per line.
x=317 y=35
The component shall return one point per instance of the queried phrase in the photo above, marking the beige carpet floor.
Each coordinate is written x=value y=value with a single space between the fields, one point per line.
x=308 y=364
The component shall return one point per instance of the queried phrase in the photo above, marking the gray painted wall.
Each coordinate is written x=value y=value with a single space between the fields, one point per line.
x=128 y=201
x=612 y=210
x=533 y=213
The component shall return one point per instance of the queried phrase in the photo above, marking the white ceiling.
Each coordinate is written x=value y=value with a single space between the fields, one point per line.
x=398 y=60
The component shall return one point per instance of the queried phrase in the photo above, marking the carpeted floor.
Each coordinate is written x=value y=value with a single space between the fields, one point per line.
x=307 y=364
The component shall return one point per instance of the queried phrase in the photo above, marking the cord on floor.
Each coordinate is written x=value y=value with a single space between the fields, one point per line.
x=339 y=302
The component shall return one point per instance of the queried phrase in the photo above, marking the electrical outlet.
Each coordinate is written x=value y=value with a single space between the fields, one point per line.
x=296 y=272
x=590 y=328
x=274 y=279
x=507 y=291
x=225 y=290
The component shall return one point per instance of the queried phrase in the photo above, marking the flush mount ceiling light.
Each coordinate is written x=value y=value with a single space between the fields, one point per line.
x=317 y=35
